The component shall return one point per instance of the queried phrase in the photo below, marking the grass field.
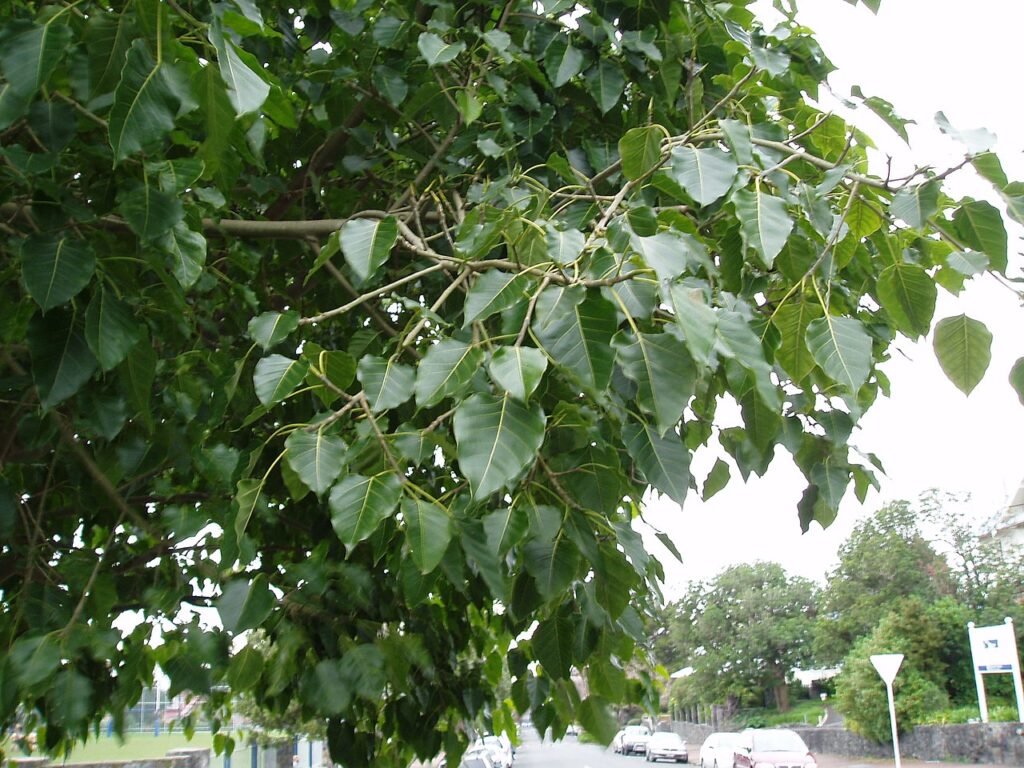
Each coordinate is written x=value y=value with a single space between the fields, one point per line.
x=138 y=746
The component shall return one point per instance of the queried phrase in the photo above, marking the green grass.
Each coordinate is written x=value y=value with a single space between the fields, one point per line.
x=801 y=712
x=137 y=746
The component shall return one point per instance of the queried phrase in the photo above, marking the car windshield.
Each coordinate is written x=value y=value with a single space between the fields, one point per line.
x=778 y=741
x=634 y=730
x=666 y=738
x=729 y=739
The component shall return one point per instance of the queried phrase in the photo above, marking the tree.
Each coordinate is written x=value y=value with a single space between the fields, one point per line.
x=743 y=632
x=369 y=325
x=885 y=560
x=919 y=686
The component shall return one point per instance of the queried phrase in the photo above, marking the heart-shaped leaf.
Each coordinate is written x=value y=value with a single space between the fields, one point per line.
x=497 y=438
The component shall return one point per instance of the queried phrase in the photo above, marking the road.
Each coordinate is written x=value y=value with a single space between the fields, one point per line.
x=569 y=753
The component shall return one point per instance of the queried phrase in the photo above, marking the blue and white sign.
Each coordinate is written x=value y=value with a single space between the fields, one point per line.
x=994 y=650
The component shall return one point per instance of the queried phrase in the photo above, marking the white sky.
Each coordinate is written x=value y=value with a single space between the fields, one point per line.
x=923 y=56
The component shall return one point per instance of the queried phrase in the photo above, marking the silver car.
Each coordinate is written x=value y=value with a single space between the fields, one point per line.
x=666 y=745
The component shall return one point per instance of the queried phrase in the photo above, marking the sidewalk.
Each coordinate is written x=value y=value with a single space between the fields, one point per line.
x=839 y=761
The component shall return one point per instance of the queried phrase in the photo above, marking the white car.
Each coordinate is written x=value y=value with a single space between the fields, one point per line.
x=719 y=750
x=667 y=745
x=631 y=740
x=500 y=749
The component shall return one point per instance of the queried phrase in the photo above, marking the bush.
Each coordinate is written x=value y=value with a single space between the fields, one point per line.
x=920 y=685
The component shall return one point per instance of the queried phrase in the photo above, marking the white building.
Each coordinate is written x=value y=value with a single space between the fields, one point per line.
x=1009 y=529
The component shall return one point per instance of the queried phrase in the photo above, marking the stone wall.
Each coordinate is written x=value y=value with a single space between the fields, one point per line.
x=1000 y=743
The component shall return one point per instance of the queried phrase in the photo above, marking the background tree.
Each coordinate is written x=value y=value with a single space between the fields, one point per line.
x=886 y=559
x=743 y=632
x=919 y=686
x=369 y=324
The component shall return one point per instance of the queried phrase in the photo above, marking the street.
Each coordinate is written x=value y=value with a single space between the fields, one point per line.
x=569 y=753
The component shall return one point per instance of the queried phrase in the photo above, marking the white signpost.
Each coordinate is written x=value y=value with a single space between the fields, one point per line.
x=887 y=665
x=994 y=650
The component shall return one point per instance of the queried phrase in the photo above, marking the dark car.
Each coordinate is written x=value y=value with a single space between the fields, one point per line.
x=773 y=748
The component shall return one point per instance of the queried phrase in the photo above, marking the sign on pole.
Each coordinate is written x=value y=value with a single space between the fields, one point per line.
x=994 y=650
x=887 y=665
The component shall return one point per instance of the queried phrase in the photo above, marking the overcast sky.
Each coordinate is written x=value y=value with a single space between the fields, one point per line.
x=923 y=56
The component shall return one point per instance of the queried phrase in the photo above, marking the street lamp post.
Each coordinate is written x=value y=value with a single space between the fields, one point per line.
x=887 y=665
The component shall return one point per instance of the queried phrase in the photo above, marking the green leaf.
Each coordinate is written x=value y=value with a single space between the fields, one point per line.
x=327 y=690
x=842 y=348
x=764 y=223
x=705 y=174
x=576 y=329
x=597 y=720
x=137 y=373
x=61 y=359
x=387 y=384
x=497 y=439
x=245 y=604
x=505 y=528
x=791 y=320
x=493 y=291
x=663 y=371
x=563 y=61
x=317 y=458
x=30 y=53
x=145 y=103
x=908 y=294
x=245 y=669
x=391 y=85
x=428 y=531
x=552 y=564
x=696 y=320
x=989 y=168
x=70 y=698
x=470 y=107
x=276 y=377
x=736 y=340
x=34 y=659
x=110 y=329
x=963 y=347
x=55 y=269
x=981 y=227
x=664 y=460
x=915 y=205
x=606 y=83
x=248 y=494
x=107 y=37
x=12 y=105
x=552 y=646
x=151 y=213
x=367 y=243
x=1017 y=378
x=518 y=370
x=242 y=73
x=360 y=504
x=640 y=151
x=717 y=479
x=564 y=246
x=435 y=51
x=271 y=328
x=218 y=123
x=445 y=371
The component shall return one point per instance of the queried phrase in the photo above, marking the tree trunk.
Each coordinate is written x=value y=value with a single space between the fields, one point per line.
x=782 y=697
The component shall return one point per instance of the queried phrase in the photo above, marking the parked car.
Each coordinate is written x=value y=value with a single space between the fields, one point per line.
x=666 y=745
x=719 y=750
x=631 y=740
x=773 y=747
x=500 y=749
x=477 y=757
